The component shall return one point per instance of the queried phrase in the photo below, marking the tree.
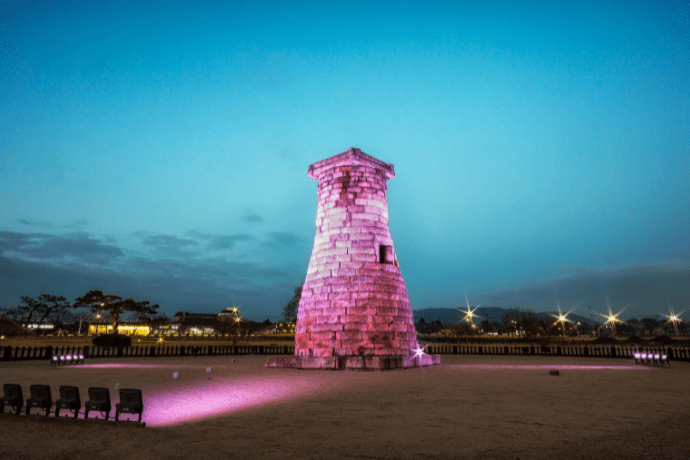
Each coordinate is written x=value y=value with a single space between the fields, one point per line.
x=12 y=313
x=226 y=324
x=517 y=319
x=37 y=310
x=422 y=327
x=436 y=326
x=114 y=305
x=462 y=330
x=635 y=324
x=650 y=324
x=45 y=307
x=290 y=310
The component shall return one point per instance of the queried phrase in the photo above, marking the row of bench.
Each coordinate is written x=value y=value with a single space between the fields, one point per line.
x=99 y=400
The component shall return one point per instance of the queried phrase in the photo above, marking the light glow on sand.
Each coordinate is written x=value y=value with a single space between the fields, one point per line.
x=544 y=367
x=195 y=397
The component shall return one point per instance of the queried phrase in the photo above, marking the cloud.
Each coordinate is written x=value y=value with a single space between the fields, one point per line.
x=227 y=241
x=80 y=246
x=286 y=239
x=205 y=285
x=167 y=240
x=214 y=268
x=81 y=223
x=219 y=241
x=639 y=289
x=34 y=224
x=253 y=218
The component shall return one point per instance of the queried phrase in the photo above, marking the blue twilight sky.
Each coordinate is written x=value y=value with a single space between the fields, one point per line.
x=158 y=150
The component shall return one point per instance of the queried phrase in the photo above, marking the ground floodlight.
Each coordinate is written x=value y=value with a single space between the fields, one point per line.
x=40 y=397
x=69 y=399
x=54 y=362
x=13 y=398
x=99 y=399
x=131 y=402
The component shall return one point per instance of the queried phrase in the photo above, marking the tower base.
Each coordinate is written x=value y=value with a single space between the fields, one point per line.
x=356 y=363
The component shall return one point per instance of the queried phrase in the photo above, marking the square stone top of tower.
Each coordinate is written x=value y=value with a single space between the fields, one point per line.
x=351 y=157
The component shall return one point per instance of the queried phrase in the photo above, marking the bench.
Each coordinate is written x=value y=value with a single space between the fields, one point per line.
x=13 y=398
x=130 y=402
x=69 y=399
x=40 y=397
x=99 y=400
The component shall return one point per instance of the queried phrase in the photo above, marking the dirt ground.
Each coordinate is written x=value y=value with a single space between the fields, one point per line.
x=470 y=407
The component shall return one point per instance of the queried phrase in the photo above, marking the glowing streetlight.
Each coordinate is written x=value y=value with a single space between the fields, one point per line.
x=673 y=318
x=613 y=319
x=470 y=315
x=561 y=318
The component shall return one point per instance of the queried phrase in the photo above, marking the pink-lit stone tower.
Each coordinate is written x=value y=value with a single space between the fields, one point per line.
x=354 y=312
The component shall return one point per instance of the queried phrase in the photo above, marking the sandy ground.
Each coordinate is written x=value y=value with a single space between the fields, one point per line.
x=470 y=407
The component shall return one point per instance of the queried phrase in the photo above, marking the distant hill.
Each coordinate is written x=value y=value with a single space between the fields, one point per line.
x=449 y=316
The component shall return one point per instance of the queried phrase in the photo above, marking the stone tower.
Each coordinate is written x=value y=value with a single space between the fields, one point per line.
x=354 y=311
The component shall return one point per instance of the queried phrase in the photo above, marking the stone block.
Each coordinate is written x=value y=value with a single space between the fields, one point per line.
x=384 y=319
x=324 y=335
x=345 y=287
x=342 y=303
x=350 y=335
x=361 y=311
x=362 y=244
x=352 y=265
x=344 y=272
x=331 y=311
x=327 y=327
x=323 y=319
x=338 y=280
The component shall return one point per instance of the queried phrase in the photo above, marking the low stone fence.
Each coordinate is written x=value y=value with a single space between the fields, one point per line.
x=584 y=351
x=602 y=351
x=27 y=353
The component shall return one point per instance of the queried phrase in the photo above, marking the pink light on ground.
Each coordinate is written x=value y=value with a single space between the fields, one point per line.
x=197 y=401
x=137 y=366
x=194 y=396
x=544 y=367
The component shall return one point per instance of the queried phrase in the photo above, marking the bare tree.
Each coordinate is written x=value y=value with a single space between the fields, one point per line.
x=45 y=307
x=290 y=310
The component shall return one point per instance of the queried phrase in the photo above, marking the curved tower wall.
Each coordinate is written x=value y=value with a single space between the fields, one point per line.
x=354 y=300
